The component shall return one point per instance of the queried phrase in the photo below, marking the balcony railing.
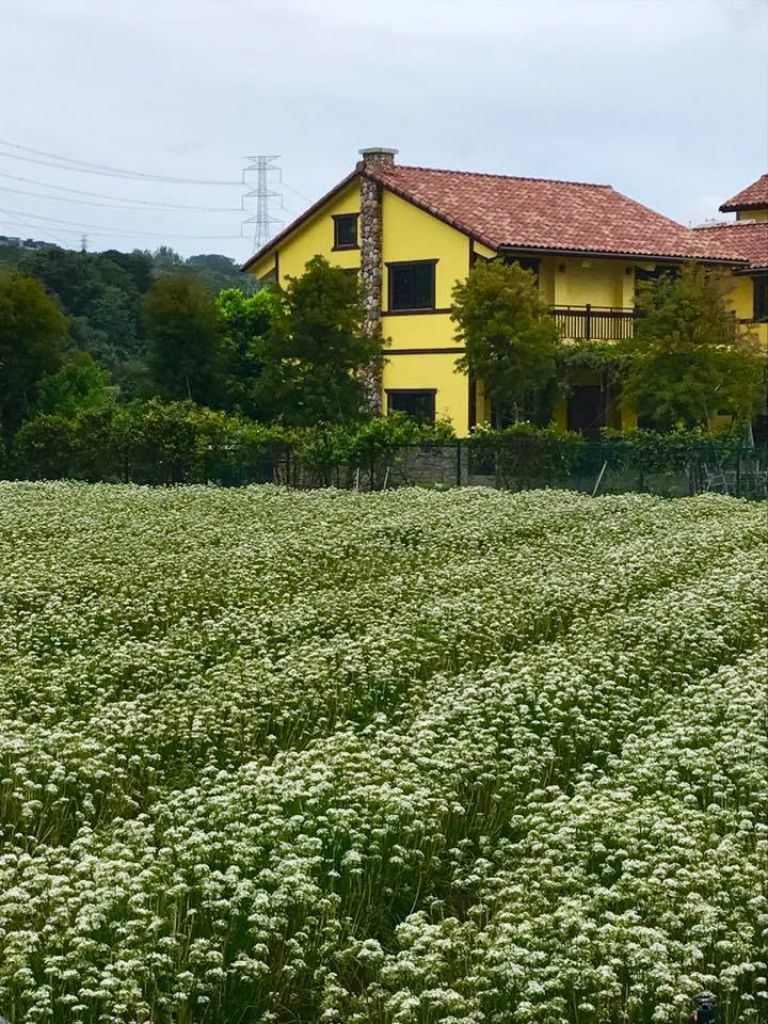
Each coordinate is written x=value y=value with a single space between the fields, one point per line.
x=611 y=323
x=601 y=323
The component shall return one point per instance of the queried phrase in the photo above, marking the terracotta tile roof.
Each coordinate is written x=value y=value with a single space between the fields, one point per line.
x=754 y=197
x=747 y=239
x=536 y=213
x=531 y=214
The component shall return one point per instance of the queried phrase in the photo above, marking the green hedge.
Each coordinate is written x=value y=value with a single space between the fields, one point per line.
x=334 y=454
x=147 y=442
x=524 y=454
x=159 y=442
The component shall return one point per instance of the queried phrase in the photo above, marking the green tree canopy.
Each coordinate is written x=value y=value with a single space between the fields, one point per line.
x=33 y=335
x=79 y=385
x=185 y=350
x=690 y=358
x=509 y=337
x=316 y=356
x=245 y=320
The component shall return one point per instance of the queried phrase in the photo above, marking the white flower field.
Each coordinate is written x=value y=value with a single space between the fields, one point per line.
x=402 y=758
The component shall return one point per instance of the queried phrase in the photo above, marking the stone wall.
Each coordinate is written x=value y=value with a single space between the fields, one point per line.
x=371 y=255
x=371 y=273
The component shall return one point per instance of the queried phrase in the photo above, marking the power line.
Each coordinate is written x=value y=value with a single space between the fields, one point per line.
x=103 y=228
x=295 y=191
x=85 y=167
x=36 y=227
x=116 y=206
x=64 y=163
x=120 y=199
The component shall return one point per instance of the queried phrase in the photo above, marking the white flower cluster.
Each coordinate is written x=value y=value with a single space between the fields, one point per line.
x=402 y=758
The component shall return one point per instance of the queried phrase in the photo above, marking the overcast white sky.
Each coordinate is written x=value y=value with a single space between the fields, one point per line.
x=666 y=100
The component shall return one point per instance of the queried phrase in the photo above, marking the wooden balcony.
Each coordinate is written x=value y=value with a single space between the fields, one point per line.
x=600 y=323
x=609 y=323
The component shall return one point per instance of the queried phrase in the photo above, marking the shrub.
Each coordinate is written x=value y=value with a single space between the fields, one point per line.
x=44 y=448
x=524 y=455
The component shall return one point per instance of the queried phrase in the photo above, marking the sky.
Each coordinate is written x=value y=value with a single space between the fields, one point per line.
x=666 y=100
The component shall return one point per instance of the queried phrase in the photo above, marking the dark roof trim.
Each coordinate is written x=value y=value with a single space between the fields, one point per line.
x=608 y=254
x=735 y=207
x=313 y=209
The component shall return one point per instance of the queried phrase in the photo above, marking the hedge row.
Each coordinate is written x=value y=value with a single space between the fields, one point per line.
x=159 y=442
x=527 y=454
x=179 y=442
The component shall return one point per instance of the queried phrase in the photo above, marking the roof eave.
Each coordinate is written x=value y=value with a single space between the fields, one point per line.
x=618 y=255
x=736 y=207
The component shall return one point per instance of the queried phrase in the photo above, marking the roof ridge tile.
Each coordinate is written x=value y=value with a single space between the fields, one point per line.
x=490 y=174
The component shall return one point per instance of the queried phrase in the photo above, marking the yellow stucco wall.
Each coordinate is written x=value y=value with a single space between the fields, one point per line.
x=411 y=234
x=742 y=301
x=761 y=215
x=436 y=371
x=601 y=282
x=741 y=296
x=313 y=238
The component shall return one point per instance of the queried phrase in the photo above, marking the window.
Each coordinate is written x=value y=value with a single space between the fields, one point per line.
x=412 y=285
x=419 y=405
x=586 y=410
x=760 y=297
x=345 y=231
x=760 y=429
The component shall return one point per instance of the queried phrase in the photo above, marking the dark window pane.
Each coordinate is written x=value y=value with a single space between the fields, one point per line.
x=412 y=285
x=345 y=231
x=419 y=405
x=586 y=410
x=760 y=286
x=760 y=429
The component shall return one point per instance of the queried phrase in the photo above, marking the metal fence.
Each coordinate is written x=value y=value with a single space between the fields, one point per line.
x=515 y=464
x=526 y=464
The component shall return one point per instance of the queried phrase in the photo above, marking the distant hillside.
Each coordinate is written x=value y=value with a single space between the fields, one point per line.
x=103 y=293
x=213 y=270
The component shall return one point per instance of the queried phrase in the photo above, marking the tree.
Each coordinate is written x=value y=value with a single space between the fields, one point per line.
x=166 y=258
x=79 y=385
x=33 y=334
x=245 y=320
x=66 y=274
x=216 y=273
x=316 y=355
x=185 y=352
x=102 y=293
x=137 y=265
x=690 y=358
x=509 y=337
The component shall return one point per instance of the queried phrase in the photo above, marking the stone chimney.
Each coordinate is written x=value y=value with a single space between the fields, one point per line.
x=375 y=158
x=378 y=156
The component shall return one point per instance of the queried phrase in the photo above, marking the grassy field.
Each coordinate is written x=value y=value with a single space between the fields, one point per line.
x=380 y=759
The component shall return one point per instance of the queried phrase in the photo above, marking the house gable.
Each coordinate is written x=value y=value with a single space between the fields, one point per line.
x=309 y=234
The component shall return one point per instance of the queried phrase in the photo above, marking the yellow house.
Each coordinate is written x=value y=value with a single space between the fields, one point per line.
x=412 y=232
